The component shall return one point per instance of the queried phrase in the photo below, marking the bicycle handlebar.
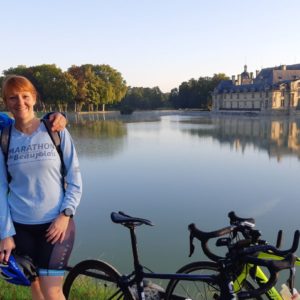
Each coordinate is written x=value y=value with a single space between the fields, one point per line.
x=235 y=220
x=203 y=237
x=274 y=250
x=251 y=237
x=250 y=234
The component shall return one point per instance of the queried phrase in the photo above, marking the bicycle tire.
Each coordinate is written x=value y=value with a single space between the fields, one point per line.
x=198 y=290
x=95 y=279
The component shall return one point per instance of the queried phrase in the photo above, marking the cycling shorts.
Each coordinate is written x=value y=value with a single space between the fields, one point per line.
x=50 y=259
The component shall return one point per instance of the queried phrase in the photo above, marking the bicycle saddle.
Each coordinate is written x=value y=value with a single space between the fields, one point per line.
x=122 y=218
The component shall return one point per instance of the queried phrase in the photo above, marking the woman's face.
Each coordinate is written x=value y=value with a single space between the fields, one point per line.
x=20 y=104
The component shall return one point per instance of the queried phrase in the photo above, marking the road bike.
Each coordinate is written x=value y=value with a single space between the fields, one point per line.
x=248 y=276
x=103 y=281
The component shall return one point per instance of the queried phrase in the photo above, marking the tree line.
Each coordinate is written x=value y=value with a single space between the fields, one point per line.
x=94 y=87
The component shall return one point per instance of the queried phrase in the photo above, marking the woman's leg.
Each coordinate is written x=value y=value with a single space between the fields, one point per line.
x=36 y=290
x=51 y=287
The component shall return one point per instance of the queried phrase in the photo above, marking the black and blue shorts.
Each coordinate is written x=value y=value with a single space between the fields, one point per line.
x=50 y=259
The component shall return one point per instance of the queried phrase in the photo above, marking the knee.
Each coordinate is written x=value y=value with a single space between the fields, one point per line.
x=53 y=293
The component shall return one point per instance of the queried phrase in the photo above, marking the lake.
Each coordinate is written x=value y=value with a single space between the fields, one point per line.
x=179 y=167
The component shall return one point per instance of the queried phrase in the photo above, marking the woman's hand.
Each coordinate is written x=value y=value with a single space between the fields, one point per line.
x=57 y=230
x=6 y=246
x=58 y=121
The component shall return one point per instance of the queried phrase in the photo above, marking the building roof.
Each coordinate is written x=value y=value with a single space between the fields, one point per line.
x=267 y=78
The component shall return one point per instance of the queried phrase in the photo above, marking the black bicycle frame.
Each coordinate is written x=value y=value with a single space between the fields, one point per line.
x=138 y=275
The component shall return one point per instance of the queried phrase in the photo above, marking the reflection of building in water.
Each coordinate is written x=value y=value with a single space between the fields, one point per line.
x=273 y=89
x=277 y=137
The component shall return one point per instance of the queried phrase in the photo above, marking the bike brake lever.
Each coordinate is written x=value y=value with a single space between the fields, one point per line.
x=192 y=247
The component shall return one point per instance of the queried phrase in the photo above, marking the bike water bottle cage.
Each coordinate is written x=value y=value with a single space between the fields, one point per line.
x=18 y=270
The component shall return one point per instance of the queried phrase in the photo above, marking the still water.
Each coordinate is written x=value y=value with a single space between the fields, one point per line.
x=175 y=168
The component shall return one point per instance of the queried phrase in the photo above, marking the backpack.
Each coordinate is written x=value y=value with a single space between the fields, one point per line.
x=55 y=138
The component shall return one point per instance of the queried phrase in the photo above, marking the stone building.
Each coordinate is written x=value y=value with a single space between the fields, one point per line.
x=274 y=89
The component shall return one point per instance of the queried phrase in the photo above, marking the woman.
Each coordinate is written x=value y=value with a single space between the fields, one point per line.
x=57 y=120
x=37 y=205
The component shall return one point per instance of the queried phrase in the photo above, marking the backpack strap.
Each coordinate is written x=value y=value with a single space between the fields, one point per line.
x=56 y=140
x=4 y=142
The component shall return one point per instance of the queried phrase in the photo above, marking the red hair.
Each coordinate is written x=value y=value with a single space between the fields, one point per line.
x=16 y=83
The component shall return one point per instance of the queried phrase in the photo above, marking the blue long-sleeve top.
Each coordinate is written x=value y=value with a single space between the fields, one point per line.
x=35 y=194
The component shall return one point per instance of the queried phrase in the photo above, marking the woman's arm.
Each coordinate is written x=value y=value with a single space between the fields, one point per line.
x=58 y=120
x=7 y=229
x=73 y=189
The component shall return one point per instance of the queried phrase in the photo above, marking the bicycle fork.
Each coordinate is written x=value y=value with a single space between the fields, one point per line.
x=259 y=277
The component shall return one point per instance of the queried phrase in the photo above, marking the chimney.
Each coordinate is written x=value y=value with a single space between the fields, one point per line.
x=283 y=67
x=239 y=80
x=233 y=79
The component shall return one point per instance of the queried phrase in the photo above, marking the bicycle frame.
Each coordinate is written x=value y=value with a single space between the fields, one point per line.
x=138 y=275
x=259 y=276
x=226 y=285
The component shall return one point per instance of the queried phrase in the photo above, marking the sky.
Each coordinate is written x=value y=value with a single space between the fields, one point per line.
x=151 y=42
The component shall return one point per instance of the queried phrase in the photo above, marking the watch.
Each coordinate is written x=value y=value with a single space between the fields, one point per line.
x=68 y=212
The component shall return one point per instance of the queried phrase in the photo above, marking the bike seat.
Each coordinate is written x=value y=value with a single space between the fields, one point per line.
x=122 y=218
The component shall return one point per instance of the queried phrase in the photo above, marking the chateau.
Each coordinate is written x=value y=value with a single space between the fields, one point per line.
x=271 y=90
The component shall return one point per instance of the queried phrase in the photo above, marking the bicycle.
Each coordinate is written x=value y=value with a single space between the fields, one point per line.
x=249 y=275
x=110 y=284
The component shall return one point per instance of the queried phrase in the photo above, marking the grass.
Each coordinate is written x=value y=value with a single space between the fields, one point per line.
x=85 y=288
x=13 y=292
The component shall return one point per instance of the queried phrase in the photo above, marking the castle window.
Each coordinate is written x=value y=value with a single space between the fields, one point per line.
x=282 y=93
x=230 y=95
x=282 y=103
x=260 y=94
x=252 y=94
x=237 y=96
x=266 y=104
x=267 y=94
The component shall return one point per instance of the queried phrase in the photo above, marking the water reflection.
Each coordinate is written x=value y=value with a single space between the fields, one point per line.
x=278 y=138
x=176 y=168
x=98 y=137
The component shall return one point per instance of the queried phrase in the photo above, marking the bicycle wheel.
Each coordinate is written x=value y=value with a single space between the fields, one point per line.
x=198 y=290
x=94 y=279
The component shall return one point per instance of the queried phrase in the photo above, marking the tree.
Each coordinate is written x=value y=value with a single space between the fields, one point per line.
x=98 y=84
x=143 y=98
x=195 y=93
x=55 y=88
x=114 y=86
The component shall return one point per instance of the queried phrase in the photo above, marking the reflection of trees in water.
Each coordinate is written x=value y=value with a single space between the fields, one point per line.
x=98 y=137
x=278 y=137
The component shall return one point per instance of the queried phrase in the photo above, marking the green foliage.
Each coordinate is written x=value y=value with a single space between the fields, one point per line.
x=143 y=98
x=92 y=87
x=86 y=85
x=97 y=85
x=195 y=93
x=13 y=292
x=55 y=88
